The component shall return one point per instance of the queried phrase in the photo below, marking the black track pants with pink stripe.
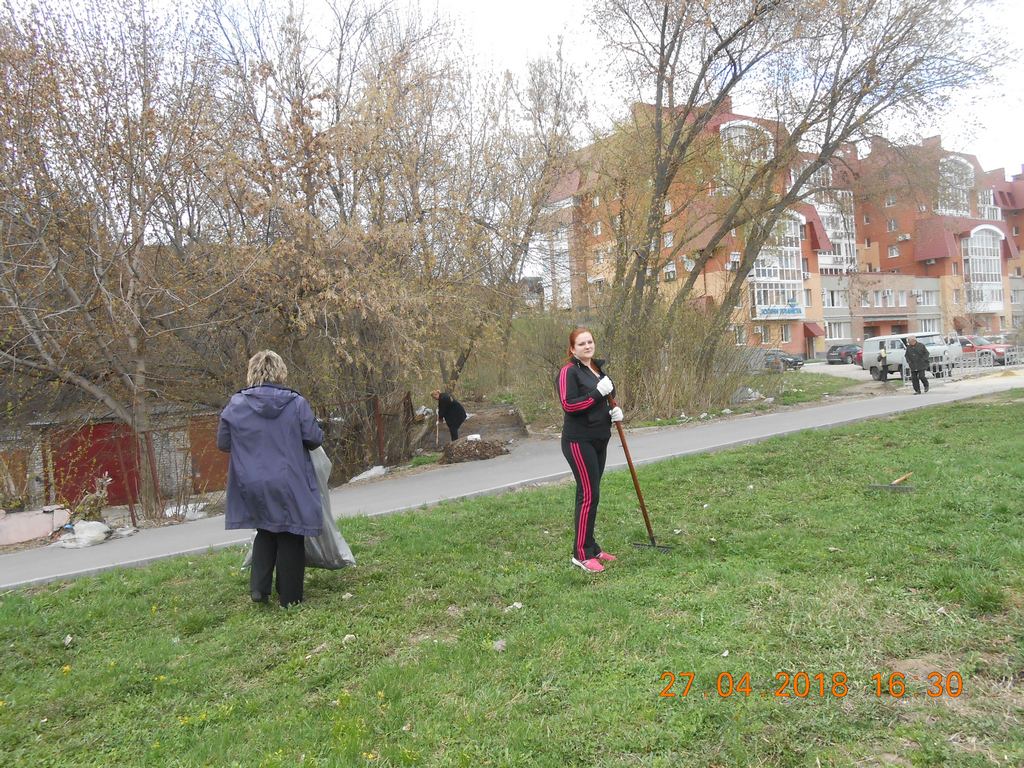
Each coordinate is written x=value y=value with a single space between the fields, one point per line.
x=586 y=459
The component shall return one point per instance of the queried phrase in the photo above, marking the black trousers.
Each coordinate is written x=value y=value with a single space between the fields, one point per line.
x=285 y=552
x=883 y=371
x=917 y=378
x=453 y=428
x=586 y=459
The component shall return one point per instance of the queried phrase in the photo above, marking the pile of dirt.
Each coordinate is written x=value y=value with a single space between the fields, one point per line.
x=490 y=421
x=471 y=450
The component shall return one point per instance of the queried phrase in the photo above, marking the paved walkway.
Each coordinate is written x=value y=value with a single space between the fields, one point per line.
x=531 y=462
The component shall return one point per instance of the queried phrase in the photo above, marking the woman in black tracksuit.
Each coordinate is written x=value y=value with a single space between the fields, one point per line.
x=583 y=392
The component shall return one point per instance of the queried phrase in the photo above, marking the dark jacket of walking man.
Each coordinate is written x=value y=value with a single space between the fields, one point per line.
x=451 y=411
x=918 y=360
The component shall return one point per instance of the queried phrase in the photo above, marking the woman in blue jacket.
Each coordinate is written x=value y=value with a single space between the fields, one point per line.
x=583 y=392
x=269 y=431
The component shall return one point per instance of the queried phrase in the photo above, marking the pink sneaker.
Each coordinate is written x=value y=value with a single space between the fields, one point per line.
x=592 y=565
x=604 y=557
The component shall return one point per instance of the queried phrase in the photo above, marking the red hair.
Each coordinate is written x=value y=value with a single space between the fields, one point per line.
x=574 y=335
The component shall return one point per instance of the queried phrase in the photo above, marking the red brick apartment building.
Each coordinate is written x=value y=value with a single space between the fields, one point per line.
x=919 y=239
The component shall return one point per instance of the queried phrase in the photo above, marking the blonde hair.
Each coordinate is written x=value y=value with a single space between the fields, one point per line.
x=266 y=367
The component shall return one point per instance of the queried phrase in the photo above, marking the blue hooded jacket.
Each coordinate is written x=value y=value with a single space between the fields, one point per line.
x=269 y=431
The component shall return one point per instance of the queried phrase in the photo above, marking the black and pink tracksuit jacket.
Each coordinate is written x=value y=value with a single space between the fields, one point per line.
x=587 y=412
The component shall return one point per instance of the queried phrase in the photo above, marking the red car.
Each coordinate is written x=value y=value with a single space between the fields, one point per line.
x=858 y=358
x=989 y=352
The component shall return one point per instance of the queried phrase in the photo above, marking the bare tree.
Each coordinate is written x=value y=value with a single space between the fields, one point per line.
x=824 y=75
x=107 y=123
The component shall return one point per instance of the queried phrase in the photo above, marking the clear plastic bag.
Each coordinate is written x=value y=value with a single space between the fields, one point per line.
x=329 y=549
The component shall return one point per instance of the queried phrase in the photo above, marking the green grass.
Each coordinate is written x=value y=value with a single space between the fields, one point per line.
x=789 y=388
x=426 y=458
x=795 y=387
x=783 y=557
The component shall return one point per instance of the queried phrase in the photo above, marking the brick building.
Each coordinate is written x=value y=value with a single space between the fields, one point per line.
x=902 y=239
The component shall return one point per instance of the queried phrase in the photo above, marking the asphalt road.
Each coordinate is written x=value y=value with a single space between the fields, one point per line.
x=531 y=462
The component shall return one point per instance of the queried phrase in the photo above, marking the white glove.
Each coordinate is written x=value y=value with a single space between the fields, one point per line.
x=604 y=385
x=616 y=414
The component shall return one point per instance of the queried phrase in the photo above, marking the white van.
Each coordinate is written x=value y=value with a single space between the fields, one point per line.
x=943 y=355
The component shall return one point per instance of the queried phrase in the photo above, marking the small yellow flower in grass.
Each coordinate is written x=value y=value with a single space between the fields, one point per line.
x=380 y=695
x=152 y=609
x=370 y=755
x=66 y=669
x=156 y=744
x=111 y=664
x=184 y=719
x=202 y=716
x=2 y=703
x=160 y=678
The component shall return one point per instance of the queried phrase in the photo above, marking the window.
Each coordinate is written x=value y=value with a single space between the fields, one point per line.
x=987 y=206
x=890 y=200
x=930 y=325
x=890 y=225
x=597 y=229
x=956 y=180
x=670 y=271
x=786 y=335
x=777 y=280
x=1017 y=296
x=741 y=334
x=867 y=219
x=1016 y=229
x=928 y=299
x=982 y=261
x=598 y=255
x=744 y=146
x=806 y=265
x=807 y=297
x=867 y=242
x=901 y=298
x=955 y=268
x=836 y=298
x=668 y=207
x=864 y=301
x=667 y=240
x=595 y=201
x=894 y=251
x=838 y=331
x=956 y=295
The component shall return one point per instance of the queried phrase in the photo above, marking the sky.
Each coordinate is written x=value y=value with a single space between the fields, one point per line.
x=988 y=123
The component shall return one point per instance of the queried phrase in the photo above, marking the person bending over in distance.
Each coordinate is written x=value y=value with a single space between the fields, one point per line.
x=269 y=431
x=451 y=411
x=583 y=392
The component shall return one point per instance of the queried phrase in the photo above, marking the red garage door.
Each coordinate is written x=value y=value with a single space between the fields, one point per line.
x=209 y=466
x=82 y=455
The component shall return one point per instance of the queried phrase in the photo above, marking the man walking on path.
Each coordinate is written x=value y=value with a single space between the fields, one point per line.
x=451 y=410
x=918 y=359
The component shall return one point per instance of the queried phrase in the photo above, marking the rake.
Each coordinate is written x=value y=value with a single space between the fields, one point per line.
x=895 y=485
x=639 y=494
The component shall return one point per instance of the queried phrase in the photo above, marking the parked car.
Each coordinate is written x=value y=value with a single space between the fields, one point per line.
x=989 y=352
x=859 y=357
x=841 y=353
x=777 y=360
x=943 y=356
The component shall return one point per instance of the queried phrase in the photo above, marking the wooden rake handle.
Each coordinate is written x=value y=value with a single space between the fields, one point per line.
x=632 y=471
